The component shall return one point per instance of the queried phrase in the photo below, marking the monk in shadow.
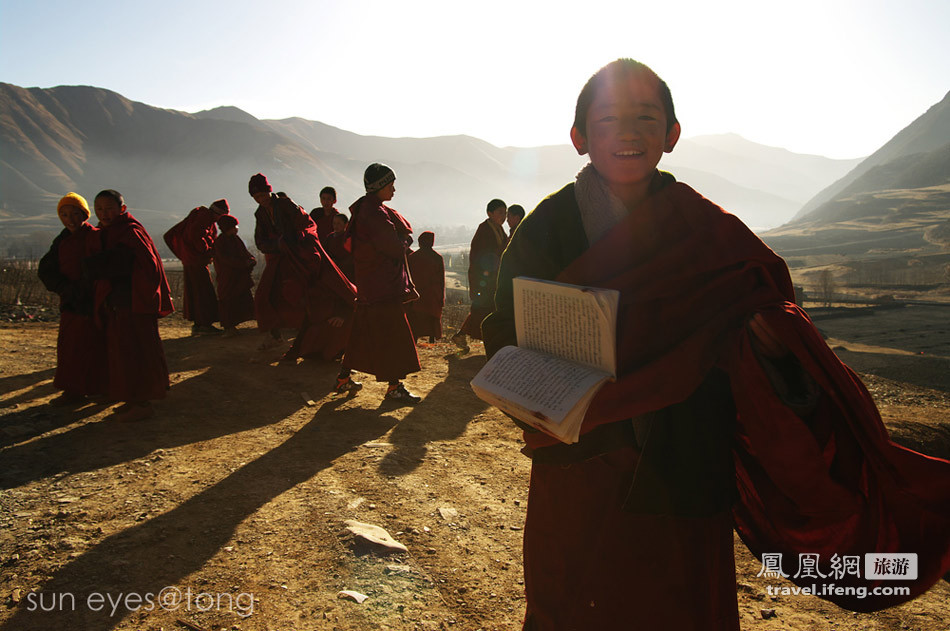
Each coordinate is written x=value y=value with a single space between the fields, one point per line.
x=164 y=550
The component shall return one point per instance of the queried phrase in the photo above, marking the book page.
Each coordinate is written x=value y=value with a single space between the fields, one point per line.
x=569 y=321
x=546 y=386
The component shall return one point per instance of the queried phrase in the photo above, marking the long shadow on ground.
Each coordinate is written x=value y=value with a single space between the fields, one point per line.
x=216 y=402
x=163 y=550
x=442 y=415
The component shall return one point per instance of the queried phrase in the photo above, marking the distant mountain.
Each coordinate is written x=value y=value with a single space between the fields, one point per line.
x=892 y=212
x=166 y=162
x=781 y=174
x=928 y=134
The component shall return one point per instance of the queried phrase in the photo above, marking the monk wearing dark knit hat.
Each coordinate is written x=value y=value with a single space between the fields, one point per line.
x=381 y=342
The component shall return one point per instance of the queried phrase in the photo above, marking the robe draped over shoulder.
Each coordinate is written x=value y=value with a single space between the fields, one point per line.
x=690 y=276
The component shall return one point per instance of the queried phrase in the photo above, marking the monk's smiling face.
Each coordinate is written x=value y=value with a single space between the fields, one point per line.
x=71 y=216
x=626 y=131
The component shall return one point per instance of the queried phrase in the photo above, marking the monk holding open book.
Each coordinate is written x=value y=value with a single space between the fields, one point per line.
x=728 y=410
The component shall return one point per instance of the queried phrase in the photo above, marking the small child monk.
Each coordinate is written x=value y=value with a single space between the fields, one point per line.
x=131 y=295
x=233 y=265
x=80 y=344
x=335 y=245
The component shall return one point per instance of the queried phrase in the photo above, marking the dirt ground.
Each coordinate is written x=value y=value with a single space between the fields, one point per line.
x=227 y=509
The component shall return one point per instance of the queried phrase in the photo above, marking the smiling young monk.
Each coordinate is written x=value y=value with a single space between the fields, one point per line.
x=80 y=345
x=729 y=411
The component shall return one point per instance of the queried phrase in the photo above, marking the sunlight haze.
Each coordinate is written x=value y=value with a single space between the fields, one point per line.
x=834 y=78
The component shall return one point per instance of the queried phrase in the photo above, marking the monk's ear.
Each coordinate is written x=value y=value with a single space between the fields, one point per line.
x=672 y=137
x=580 y=142
x=123 y=209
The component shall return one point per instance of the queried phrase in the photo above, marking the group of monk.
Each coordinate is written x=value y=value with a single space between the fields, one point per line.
x=354 y=289
x=112 y=290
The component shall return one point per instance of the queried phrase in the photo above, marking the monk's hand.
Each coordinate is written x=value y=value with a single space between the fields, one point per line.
x=765 y=339
x=336 y=321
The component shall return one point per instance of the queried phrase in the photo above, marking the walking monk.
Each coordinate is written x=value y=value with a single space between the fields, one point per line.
x=381 y=342
x=232 y=267
x=80 y=345
x=131 y=295
x=192 y=241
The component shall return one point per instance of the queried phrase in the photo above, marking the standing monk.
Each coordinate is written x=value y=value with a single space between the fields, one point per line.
x=381 y=341
x=279 y=300
x=232 y=267
x=80 y=345
x=324 y=215
x=131 y=295
x=485 y=253
x=428 y=273
x=192 y=241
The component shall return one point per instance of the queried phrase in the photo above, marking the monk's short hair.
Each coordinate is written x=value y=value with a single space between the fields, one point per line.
x=493 y=204
x=112 y=194
x=517 y=210
x=622 y=66
x=328 y=190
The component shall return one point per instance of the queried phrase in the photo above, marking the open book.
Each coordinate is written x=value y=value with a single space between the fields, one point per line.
x=566 y=351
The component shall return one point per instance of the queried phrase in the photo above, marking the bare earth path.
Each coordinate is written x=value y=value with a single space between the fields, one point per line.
x=226 y=510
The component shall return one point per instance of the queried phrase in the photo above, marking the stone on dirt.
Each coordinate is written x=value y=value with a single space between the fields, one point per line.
x=354 y=596
x=368 y=538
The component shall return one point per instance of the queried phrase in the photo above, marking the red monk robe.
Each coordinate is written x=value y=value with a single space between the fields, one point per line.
x=335 y=246
x=131 y=295
x=381 y=342
x=232 y=267
x=827 y=483
x=192 y=241
x=428 y=273
x=328 y=295
x=80 y=344
x=324 y=222
x=279 y=300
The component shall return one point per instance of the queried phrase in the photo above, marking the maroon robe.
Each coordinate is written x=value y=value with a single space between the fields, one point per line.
x=381 y=341
x=192 y=241
x=329 y=295
x=335 y=246
x=131 y=295
x=324 y=223
x=485 y=253
x=232 y=269
x=279 y=301
x=690 y=276
x=428 y=273
x=80 y=344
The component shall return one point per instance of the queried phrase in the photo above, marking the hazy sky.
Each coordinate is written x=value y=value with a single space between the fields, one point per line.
x=830 y=77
